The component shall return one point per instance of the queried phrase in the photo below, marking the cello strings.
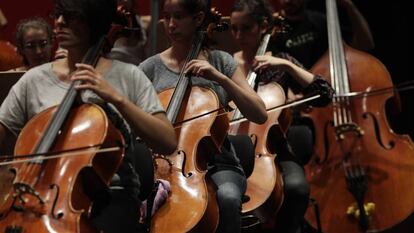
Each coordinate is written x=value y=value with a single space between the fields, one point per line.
x=339 y=66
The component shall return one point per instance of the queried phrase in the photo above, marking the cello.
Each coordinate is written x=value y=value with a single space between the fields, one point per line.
x=54 y=193
x=9 y=58
x=361 y=173
x=191 y=206
x=264 y=185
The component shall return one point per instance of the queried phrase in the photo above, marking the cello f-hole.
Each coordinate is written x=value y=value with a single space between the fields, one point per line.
x=325 y=143
x=390 y=144
x=184 y=155
x=60 y=214
x=253 y=137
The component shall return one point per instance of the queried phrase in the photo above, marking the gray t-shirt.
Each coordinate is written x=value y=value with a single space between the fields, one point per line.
x=157 y=72
x=40 y=88
x=164 y=78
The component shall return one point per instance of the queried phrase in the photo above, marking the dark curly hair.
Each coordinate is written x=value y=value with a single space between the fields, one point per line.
x=194 y=6
x=258 y=10
x=97 y=14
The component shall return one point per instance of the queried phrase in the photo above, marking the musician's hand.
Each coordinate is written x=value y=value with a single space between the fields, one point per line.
x=92 y=80
x=61 y=53
x=261 y=63
x=202 y=68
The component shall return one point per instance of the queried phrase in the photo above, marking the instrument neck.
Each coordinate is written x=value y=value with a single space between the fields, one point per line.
x=183 y=81
x=252 y=76
x=55 y=125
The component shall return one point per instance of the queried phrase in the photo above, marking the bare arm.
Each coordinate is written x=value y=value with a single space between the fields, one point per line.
x=302 y=76
x=246 y=99
x=361 y=34
x=156 y=130
x=249 y=103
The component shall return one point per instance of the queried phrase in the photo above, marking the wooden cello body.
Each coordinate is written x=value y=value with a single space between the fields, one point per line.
x=192 y=205
x=361 y=173
x=56 y=195
x=265 y=184
x=9 y=58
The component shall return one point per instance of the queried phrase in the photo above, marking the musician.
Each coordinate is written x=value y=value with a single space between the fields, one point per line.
x=34 y=38
x=126 y=90
x=130 y=48
x=219 y=71
x=307 y=37
x=250 y=20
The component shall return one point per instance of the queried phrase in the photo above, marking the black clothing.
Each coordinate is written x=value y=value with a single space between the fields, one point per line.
x=318 y=86
x=296 y=188
x=306 y=39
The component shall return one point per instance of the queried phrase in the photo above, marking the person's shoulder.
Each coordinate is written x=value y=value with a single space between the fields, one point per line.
x=152 y=65
x=121 y=65
x=223 y=62
x=289 y=57
x=34 y=76
x=38 y=72
x=219 y=55
x=128 y=68
x=150 y=60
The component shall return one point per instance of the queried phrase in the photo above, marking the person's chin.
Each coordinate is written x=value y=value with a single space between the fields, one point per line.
x=174 y=37
x=62 y=36
x=66 y=44
x=245 y=46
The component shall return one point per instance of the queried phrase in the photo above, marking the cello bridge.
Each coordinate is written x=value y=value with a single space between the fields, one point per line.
x=25 y=193
x=162 y=157
x=340 y=130
x=22 y=189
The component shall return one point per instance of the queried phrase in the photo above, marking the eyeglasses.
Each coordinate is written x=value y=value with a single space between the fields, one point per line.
x=68 y=16
x=32 y=45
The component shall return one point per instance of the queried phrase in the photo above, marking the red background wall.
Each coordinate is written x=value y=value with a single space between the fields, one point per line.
x=14 y=11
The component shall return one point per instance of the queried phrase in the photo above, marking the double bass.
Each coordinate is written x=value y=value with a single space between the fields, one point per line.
x=361 y=174
x=192 y=205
